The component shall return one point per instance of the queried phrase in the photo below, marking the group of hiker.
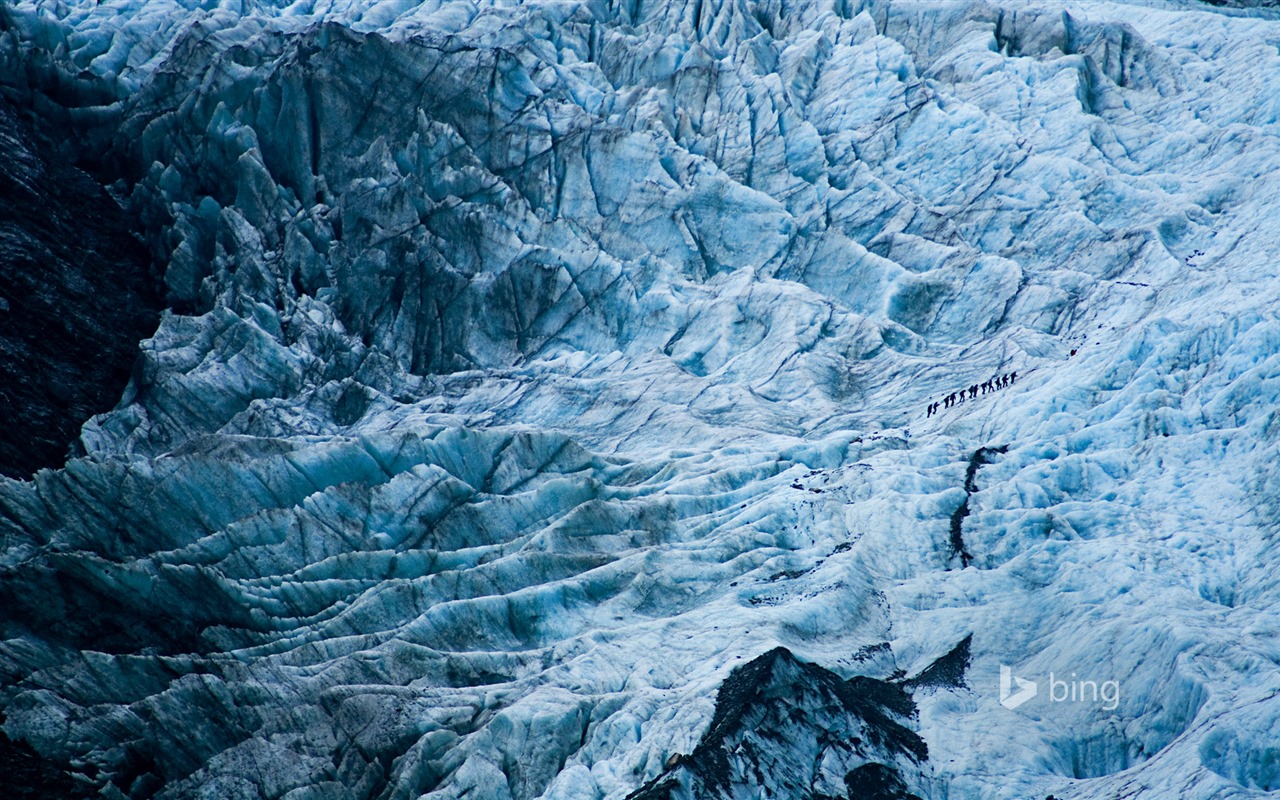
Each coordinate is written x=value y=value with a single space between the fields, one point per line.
x=955 y=398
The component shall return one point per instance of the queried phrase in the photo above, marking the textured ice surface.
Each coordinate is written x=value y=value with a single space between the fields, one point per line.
x=75 y=296
x=533 y=367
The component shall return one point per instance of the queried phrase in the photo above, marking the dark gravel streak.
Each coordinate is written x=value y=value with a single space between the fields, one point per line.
x=75 y=299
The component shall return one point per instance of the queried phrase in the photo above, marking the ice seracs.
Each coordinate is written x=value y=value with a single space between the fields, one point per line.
x=532 y=373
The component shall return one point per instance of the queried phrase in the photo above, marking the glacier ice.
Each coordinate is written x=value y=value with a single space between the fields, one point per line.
x=75 y=296
x=539 y=407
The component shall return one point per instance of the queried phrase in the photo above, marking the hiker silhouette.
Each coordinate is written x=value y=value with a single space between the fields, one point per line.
x=992 y=384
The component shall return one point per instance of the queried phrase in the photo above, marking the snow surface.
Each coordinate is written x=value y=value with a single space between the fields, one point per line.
x=532 y=365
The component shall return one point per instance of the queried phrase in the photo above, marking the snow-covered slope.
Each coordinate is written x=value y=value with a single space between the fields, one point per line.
x=535 y=372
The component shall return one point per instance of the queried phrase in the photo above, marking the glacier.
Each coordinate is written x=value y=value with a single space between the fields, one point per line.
x=76 y=295
x=538 y=408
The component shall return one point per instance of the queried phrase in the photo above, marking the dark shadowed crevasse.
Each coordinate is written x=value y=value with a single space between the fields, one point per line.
x=24 y=775
x=75 y=299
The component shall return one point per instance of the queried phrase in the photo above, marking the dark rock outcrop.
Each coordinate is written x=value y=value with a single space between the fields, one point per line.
x=787 y=728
